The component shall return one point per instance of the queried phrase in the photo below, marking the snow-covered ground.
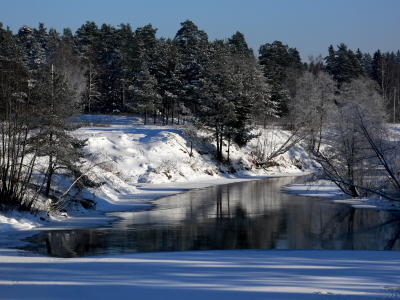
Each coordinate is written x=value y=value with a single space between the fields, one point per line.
x=240 y=275
x=151 y=162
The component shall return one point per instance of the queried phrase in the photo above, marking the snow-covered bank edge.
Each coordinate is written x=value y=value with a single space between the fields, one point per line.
x=18 y=225
x=142 y=200
x=328 y=190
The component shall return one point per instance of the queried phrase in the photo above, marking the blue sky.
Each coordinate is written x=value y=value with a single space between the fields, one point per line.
x=309 y=25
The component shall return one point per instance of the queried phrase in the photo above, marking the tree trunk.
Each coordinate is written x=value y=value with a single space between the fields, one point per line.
x=172 y=112
x=229 y=146
x=217 y=139
x=51 y=171
x=220 y=148
x=123 y=93
x=167 y=115
x=49 y=176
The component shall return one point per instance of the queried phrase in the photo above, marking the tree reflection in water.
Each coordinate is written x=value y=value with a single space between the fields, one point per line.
x=247 y=215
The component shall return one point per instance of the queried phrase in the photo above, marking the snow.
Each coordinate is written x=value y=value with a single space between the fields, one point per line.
x=16 y=221
x=152 y=162
x=248 y=274
x=327 y=189
x=320 y=188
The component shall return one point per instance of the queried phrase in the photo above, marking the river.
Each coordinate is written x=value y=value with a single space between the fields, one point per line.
x=246 y=215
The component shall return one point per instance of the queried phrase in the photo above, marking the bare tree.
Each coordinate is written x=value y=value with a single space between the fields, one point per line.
x=268 y=147
x=313 y=104
x=359 y=155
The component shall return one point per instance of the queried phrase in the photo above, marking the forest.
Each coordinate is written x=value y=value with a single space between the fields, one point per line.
x=339 y=105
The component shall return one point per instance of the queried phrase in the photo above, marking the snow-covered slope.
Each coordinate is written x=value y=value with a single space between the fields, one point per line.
x=136 y=163
x=157 y=154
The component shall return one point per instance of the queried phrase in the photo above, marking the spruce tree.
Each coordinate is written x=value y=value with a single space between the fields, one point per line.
x=276 y=59
x=330 y=61
x=193 y=55
x=87 y=40
x=145 y=96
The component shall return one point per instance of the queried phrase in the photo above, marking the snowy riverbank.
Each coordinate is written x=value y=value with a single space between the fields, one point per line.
x=149 y=162
x=153 y=162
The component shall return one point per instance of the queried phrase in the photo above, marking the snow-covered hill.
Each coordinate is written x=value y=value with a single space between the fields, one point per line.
x=150 y=154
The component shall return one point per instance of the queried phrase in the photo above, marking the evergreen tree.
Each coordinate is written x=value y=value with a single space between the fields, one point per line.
x=378 y=68
x=276 y=59
x=330 y=61
x=166 y=70
x=193 y=52
x=367 y=59
x=344 y=65
x=232 y=86
x=129 y=55
x=239 y=46
x=110 y=76
x=146 y=98
x=147 y=44
x=87 y=39
x=35 y=108
x=361 y=62
x=34 y=51
x=66 y=61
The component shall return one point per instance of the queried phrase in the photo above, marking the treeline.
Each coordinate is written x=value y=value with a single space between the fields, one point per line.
x=114 y=70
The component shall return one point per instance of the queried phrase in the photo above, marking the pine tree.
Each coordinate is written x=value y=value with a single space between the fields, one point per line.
x=378 y=68
x=361 y=62
x=147 y=44
x=66 y=61
x=87 y=40
x=232 y=86
x=129 y=55
x=330 y=61
x=344 y=65
x=193 y=52
x=276 y=59
x=239 y=46
x=146 y=98
x=34 y=51
x=367 y=59
x=166 y=70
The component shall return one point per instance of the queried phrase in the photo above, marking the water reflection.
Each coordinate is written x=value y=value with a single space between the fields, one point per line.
x=248 y=215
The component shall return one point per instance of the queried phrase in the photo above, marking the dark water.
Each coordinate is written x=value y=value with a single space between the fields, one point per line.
x=248 y=215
